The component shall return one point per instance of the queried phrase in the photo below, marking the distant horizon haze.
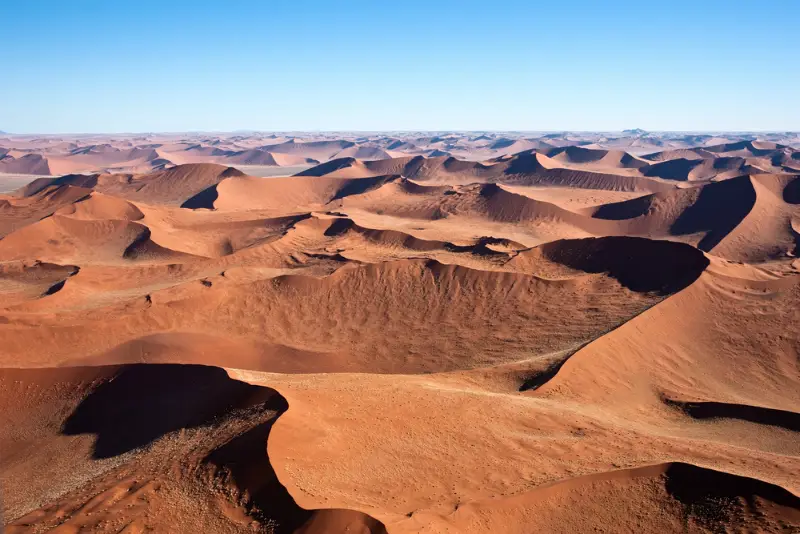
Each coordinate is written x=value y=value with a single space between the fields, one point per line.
x=333 y=132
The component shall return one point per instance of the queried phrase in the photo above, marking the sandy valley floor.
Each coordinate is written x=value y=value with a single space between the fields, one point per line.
x=411 y=334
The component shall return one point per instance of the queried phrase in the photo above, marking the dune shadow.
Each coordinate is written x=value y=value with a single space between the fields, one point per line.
x=142 y=403
x=361 y=185
x=245 y=461
x=339 y=227
x=538 y=379
x=137 y=404
x=673 y=169
x=711 y=496
x=742 y=412
x=55 y=288
x=640 y=264
x=203 y=199
x=77 y=180
x=791 y=193
x=719 y=208
x=328 y=167
x=627 y=209
x=523 y=163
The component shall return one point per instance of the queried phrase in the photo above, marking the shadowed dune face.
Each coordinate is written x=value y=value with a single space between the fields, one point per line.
x=21 y=281
x=18 y=213
x=203 y=199
x=676 y=497
x=438 y=334
x=714 y=500
x=379 y=311
x=754 y=414
x=791 y=194
x=638 y=264
x=177 y=397
x=174 y=429
x=734 y=199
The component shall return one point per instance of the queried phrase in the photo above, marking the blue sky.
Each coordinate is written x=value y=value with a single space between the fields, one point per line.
x=124 y=66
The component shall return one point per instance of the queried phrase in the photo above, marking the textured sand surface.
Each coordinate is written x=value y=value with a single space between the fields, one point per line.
x=437 y=334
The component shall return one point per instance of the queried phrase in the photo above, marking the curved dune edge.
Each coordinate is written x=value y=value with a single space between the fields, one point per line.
x=125 y=461
x=618 y=399
x=672 y=495
x=727 y=218
x=190 y=322
x=724 y=217
x=703 y=410
x=685 y=354
x=542 y=378
x=171 y=186
x=445 y=425
x=681 y=479
x=398 y=317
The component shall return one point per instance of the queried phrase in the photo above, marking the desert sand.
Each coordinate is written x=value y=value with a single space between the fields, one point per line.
x=402 y=333
x=672 y=155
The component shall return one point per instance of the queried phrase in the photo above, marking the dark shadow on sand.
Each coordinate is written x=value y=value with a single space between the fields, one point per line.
x=742 y=412
x=719 y=209
x=138 y=404
x=143 y=402
x=640 y=264
x=712 y=497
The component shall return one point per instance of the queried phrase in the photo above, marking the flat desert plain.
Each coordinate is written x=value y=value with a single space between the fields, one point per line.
x=412 y=333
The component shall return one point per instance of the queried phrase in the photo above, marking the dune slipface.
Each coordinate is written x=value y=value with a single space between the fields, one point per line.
x=410 y=333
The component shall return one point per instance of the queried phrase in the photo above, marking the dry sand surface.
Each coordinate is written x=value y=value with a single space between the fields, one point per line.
x=671 y=155
x=436 y=333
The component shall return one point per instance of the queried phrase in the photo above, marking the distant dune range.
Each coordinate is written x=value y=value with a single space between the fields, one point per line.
x=555 y=335
x=682 y=157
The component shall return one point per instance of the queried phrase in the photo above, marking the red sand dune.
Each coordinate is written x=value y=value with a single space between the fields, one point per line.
x=566 y=338
x=627 y=154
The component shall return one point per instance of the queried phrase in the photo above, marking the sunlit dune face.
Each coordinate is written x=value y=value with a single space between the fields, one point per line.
x=400 y=333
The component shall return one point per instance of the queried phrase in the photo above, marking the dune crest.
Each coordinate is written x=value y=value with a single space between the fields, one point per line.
x=400 y=333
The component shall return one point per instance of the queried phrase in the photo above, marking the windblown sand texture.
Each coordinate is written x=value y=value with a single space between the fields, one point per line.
x=440 y=334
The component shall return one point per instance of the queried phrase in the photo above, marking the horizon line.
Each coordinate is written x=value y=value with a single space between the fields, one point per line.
x=389 y=131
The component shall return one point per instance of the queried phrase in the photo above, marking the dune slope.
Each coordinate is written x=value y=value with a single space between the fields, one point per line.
x=434 y=333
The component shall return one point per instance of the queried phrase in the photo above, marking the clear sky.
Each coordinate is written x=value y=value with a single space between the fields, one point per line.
x=125 y=66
